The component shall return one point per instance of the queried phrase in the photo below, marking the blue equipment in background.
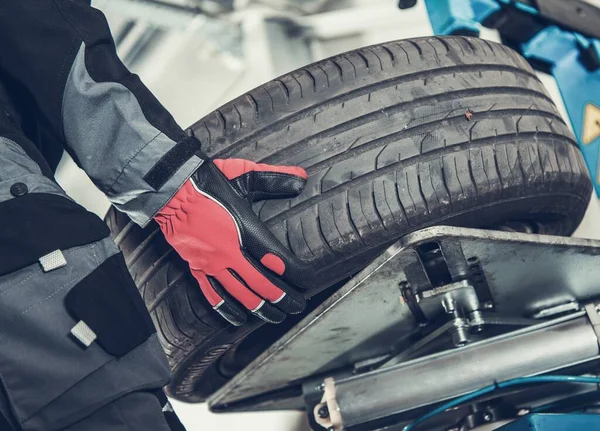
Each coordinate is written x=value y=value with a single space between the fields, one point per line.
x=560 y=37
x=554 y=422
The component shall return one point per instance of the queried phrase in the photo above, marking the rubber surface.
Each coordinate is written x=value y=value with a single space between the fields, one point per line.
x=395 y=137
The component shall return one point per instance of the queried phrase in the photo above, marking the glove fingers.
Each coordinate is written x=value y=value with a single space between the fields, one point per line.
x=270 y=314
x=256 y=239
x=275 y=290
x=293 y=302
x=218 y=298
x=259 y=181
x=235 y=285
x=265 y=248
x=233 y=168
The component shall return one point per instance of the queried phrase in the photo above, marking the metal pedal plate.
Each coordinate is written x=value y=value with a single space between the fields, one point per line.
x=526 y=275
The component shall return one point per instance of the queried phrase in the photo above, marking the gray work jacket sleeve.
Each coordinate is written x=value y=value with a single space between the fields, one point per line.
x=62 y=53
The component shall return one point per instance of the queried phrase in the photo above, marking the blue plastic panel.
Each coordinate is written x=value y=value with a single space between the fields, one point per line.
x=555 y=422
x=452 y=16
x=579 y=87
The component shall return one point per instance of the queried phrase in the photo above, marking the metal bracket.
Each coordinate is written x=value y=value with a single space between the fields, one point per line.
x=367 y=321
x=593 y=313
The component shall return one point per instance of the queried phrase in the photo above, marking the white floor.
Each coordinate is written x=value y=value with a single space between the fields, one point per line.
x=198 y=418
x=590 y=226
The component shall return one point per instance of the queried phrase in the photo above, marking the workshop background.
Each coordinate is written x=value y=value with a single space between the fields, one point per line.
x=196 y=55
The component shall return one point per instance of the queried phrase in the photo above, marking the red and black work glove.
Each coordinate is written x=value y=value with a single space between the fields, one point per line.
x=238 y=262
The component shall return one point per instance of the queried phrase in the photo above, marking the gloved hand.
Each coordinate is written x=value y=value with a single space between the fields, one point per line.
x=237 y=261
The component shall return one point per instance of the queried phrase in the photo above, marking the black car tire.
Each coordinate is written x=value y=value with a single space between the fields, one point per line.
x=395 y=137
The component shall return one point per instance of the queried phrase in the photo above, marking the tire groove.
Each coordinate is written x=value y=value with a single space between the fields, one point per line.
x=266 y=90
x=301 y=206
x=306 y=143
x=445 y=183
x=421 y=189
x=199 y=319
x=371 y=50
x=140 y=249
x=471 y=45
x=153 y=270
x=387 y=201
x=352 y=224
x=169 y=341
x=222 y=119
x=334 y=220
x=339 y=69
x=443 y=42
x=417 y=47
x=462 y=190
x=408 y=190
x=390 y=53
x=361 y=55
x=322 y=234
x=285 y=90
x=397 y=192
x=470 y=168
x=435 y=53
x=124 y=232
x=406 y=133
x=399 y=45
x=287 y=235
x=325 y=73
x=178 y=322
x=304 y=237
x=252 y=102
x=209 y=134
x=239 y=114
x=437 y=196
x=485 y=169
x=260 y=133
x=352 y=64
x=362 y=208
x=490 y=46
x=312 y=78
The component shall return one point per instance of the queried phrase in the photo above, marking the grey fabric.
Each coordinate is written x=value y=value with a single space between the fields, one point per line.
x=113 y=142
x=133 y=412
x=6 y=411
x=50 y=380
x=38 y=360
x=17 y=167
x=144 y=368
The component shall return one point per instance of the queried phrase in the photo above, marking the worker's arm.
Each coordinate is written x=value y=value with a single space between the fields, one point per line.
x=63 y=53
x=115 y=129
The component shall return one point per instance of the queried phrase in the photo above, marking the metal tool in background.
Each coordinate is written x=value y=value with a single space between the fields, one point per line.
x=443 y=312
x=559 y=37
